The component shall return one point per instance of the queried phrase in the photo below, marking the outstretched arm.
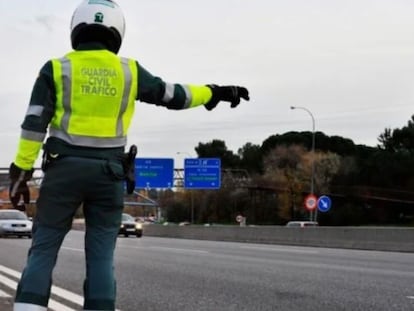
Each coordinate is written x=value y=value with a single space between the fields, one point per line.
x=154 y=90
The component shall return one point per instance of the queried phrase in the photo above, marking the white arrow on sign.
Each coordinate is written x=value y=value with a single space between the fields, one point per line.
x=324 y=203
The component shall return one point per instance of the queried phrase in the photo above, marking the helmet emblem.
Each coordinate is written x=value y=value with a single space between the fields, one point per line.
x=99 y=17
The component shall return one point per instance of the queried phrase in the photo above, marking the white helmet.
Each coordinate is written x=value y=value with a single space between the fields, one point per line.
x=94 y=16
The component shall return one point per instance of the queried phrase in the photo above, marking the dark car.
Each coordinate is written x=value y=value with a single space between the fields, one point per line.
x=129 y=226
x=14 y=223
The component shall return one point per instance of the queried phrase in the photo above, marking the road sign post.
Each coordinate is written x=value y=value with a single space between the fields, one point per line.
x=241 y=220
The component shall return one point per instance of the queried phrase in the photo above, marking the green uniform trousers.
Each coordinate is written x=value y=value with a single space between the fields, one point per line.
x=71 y=182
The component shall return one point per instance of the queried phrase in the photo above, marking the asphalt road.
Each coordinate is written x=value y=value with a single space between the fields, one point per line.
x=173 y=274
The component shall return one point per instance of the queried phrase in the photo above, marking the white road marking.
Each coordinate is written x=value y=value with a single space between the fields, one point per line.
x=73 y=249
x=410 y=297
x=171 y=249
x=54 y=305
x=10 y=271
x=58 y=291
x=4 y=294
x=279 y=249
x=8 y=282
x=180 y=250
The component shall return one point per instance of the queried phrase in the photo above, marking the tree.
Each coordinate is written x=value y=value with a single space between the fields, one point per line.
x=336 y=144
x=284 y=165
x=386 y=140
x=326 y=166
x=398 y=140
x=218 y=149
x=251 y=158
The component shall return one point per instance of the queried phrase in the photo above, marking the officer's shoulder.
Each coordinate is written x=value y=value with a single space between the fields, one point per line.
x=47 y=68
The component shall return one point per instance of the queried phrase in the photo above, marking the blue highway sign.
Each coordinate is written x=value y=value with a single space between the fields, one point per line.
x=154 y=173
x=202 y=173
x=324 y=203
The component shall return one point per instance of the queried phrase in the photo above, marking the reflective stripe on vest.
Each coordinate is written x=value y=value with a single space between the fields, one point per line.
x=103 y=87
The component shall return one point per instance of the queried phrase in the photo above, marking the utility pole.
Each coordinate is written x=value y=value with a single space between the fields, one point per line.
x=313 y=156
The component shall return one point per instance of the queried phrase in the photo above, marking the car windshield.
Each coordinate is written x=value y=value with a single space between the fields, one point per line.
x=12 y=215
x=126 y=217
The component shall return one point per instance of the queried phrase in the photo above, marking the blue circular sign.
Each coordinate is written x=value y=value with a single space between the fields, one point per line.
x=324 y=203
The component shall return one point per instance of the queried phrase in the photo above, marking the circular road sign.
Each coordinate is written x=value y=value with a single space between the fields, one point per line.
x=324 y=203
x=311 y=202
x=239 y=218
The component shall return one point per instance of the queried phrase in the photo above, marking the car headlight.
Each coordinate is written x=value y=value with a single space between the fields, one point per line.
x=122 y=226
x=138 y=226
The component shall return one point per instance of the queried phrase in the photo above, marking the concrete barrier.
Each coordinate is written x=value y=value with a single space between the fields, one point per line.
x=365 y=238
x=375 y=238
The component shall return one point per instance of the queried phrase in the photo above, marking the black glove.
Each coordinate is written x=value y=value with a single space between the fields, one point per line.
x=129 y=168
x=18 y=178
x=231 y=94
x=21 y=191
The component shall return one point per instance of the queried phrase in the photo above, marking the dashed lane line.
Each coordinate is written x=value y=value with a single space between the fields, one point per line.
x=280 y=249
x=170 y=249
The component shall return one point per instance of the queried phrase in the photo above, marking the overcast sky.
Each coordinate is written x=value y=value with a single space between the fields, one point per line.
x=350 y=62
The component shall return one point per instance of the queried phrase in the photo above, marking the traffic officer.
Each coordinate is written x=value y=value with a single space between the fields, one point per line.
x=84 y=103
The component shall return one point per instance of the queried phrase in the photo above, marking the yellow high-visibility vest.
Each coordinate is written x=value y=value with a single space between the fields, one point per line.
x=95 y=98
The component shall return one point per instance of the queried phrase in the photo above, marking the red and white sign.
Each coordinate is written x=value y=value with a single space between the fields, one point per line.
x=311 y=201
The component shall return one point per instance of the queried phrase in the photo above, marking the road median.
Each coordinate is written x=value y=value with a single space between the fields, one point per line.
x=365 y=238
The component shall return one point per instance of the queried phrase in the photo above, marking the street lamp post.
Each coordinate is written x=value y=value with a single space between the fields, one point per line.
x=313 y=153
x=191 y=192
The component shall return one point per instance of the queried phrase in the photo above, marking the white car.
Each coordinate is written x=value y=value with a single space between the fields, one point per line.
x=14 y=223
